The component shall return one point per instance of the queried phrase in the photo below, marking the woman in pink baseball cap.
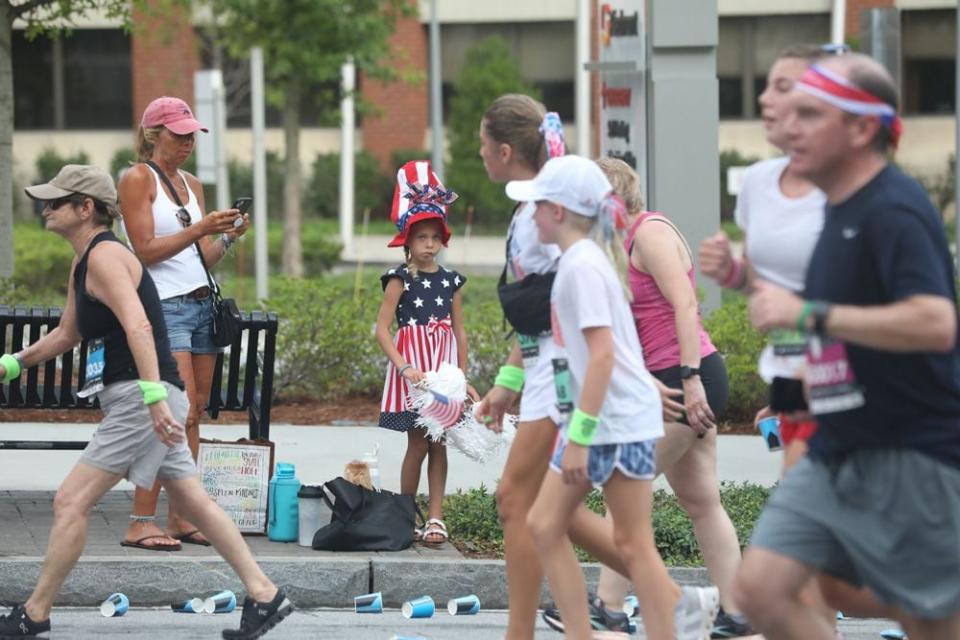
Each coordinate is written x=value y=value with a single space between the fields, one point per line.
x=163 y=218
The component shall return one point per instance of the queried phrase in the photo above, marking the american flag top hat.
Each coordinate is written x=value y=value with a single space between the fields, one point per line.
x=419 y=195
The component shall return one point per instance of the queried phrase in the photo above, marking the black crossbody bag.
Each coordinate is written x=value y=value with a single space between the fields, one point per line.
x=526 y=303
x=227 y=322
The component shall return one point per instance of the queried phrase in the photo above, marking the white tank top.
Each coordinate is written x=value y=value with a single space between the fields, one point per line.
x=183 y=272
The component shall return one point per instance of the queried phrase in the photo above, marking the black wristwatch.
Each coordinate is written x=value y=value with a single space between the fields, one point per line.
x=820 y=311
x=688 y=372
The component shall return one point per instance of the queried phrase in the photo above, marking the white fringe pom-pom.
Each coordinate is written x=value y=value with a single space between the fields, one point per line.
x=448 y=382
x=472 y=438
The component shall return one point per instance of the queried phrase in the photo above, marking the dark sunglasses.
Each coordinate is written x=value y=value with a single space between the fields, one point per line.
x=835 y=49
x=184 y=217
x=53 y=205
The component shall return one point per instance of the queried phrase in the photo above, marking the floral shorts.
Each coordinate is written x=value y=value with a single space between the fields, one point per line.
x=635 y=460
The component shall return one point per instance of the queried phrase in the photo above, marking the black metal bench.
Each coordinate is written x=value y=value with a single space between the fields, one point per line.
x=242 y=381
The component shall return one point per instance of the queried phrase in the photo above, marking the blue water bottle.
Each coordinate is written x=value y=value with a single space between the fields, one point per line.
x=283 y=525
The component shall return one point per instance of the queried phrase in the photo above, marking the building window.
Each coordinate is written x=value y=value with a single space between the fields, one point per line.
x=731 y=97
x=32 y=82
x=929 y=86
x=98 y=93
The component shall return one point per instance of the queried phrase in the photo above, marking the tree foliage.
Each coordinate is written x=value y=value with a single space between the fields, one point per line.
x=489 y=72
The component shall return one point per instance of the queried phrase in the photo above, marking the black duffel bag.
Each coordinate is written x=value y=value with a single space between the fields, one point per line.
x=365 y=520
x=526 y=303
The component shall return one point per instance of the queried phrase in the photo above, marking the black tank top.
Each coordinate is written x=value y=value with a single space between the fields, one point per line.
x=96 y=320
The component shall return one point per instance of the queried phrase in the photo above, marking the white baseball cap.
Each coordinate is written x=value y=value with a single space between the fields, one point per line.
x=573 y=182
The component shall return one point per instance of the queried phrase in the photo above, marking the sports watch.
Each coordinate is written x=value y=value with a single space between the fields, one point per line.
x=688 y=372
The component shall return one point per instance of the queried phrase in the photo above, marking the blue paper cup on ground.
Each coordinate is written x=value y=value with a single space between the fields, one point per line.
x=223 y=602
x=770 y=430
x=114 y=606
x=464 y=606
x=193 y=605
x=368 y=603
x=631 y=606
x=421 y=607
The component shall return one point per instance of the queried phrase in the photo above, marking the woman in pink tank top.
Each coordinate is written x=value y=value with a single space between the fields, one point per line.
x=678 y=352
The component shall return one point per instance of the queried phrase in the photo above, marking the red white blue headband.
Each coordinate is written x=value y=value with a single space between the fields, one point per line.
x=834 y=89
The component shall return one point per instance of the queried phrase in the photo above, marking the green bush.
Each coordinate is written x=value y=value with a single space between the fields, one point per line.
x=372 y=188
x=41 y=261
x=49 y=162
x=122 y=159
x=472 y=519
x=489 y=72
x=730 y=330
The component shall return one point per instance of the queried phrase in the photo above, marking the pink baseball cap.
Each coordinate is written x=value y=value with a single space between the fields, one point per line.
x=172 y=113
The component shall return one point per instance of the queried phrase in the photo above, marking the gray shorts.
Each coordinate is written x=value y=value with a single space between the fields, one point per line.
x=125 y=442
x=885 y=519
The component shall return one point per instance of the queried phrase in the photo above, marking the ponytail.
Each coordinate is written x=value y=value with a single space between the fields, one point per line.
x=609 y=233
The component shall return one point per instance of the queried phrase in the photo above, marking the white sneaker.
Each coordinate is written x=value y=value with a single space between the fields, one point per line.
x=695 y=612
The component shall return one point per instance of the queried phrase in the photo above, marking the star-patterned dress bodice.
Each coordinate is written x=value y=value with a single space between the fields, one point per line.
x=424 y=335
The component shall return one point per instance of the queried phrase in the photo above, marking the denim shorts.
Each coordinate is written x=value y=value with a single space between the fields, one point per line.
x=635 y=460
x=190 y=324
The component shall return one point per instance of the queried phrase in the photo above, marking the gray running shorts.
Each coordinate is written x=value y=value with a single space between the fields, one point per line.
x=885 y=519
x=125 y=442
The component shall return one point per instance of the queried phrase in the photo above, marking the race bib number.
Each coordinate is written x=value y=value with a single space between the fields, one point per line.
x=93 y=378
x=529 y=349
x=561 y=380
x=788 y=343
x=833 y=384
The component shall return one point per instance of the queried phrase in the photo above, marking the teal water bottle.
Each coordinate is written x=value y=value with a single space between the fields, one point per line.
x=283 y=525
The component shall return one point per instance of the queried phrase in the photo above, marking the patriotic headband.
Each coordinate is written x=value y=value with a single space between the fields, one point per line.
x=834 y=89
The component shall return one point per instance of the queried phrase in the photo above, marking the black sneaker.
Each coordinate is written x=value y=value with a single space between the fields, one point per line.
x=724 y=626
x=600 y=619
x=17 y=624
x=260 y=617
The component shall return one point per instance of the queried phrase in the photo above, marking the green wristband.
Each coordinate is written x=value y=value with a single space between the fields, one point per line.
x=153 y=392
x=582 y=427
x=510 y=377
x=11 y=367
x=804 y=314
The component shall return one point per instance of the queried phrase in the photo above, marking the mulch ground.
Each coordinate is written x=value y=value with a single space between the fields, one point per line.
x=346 y=411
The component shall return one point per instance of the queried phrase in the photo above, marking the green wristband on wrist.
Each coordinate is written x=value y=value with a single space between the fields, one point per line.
x=153 y=392
x=804 y=314
x=582 y=427
x=11 y=367
x=510 y=377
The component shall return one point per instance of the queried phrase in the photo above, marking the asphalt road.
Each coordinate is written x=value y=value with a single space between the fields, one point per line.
x=154 y=624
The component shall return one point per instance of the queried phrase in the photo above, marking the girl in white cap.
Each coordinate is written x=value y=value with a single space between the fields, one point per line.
x=610 y=409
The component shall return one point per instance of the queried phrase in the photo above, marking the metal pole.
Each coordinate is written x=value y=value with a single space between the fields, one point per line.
x=259 y=172
x=348 y=79
x=436 y=96
x=220 y=151
x=956 y=149
x=838 y=22
x=582 y=79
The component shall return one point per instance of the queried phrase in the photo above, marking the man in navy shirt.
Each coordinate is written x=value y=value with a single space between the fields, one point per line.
x=876 y=504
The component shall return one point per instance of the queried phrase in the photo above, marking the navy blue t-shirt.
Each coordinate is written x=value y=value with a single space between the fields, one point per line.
x=882 y=245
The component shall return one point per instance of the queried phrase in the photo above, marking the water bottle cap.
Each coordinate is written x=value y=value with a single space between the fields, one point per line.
x=286 y=470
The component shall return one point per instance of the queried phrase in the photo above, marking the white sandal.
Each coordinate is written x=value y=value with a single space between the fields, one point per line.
x=434 y=527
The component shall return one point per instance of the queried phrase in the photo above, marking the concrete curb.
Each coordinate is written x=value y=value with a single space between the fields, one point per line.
x=310 y=583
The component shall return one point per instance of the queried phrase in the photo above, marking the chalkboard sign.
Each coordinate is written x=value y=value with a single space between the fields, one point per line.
x=237 y=476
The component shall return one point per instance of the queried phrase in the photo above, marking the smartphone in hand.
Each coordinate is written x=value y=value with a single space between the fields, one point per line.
x=242 y=205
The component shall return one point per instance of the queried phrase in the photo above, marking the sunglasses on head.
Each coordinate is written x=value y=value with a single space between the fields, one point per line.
x=184 y=217
x=835 y=49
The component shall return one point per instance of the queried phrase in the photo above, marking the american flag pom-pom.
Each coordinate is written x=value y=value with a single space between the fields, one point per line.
x=472 y=438
x=439 y=400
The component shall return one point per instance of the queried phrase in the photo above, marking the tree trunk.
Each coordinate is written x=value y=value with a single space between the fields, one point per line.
x=292 y=213
x=6 y=140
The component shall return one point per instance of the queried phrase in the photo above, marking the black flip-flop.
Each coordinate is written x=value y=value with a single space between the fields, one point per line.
x=138 y=544
x=188 y=538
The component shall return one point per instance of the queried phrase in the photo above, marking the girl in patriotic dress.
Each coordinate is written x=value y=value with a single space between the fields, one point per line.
x=424 y=298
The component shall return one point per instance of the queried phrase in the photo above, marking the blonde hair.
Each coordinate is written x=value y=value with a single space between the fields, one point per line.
x=514 y=119
x=146 y=141
x=625 y=182
x=611 y=243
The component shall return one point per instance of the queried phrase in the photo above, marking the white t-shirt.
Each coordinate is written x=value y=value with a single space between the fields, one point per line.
x=781 y=231
x=527 y=254
x=587 y=293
